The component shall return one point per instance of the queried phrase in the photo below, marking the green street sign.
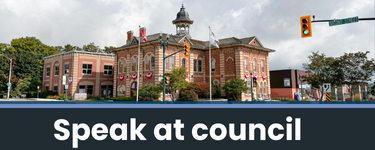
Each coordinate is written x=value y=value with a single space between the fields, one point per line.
x=9 y=84
x=343 y=21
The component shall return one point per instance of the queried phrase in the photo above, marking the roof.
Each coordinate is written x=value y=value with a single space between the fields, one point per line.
x=85 y=52
x=182 y=16
x=174 y=39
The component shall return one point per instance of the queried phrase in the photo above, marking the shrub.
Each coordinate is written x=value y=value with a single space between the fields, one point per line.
x=53 y=97
x=93 y=97
x=62 y=97
x=188 y=95
x=217 y=93
x=123 y=98
x=47 y=93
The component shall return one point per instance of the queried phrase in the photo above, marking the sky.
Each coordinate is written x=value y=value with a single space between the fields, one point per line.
x=274 y=22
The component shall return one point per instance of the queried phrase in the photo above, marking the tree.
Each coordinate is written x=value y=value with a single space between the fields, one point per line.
x=91 y=47
x=108 y=49
x=150 y=91
x=357 y=69
x=177 y=81
x=322 y=69
x=22 y=86
x=235 y=87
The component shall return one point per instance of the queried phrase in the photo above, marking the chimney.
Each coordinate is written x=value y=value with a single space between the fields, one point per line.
x=144 y=31
x=130 y=37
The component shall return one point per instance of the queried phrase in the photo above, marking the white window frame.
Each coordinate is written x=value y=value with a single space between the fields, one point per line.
x=109 y=70
x=48 y=71
x=57 y=70
x=87 y=69
x=66 y=71
x=213 y=66
x=255 y=65
x=147 y=64
x=246 y=65
x=171 y=63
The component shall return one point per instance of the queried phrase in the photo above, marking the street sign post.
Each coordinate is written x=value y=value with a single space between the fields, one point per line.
x=326 y=87
x=64 y=80
x=343 y=21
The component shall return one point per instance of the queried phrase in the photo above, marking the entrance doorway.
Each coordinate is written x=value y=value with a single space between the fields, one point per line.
x=107 y=91
x=133 y=88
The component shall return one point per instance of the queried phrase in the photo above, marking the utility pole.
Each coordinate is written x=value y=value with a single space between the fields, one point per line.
x=10 y=74
x=164 y=44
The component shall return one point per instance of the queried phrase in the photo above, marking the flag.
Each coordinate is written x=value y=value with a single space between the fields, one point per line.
x=143 y=36
x=213 y=39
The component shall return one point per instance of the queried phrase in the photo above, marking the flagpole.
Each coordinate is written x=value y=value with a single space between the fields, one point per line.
x=209 y=47
x=139 y=52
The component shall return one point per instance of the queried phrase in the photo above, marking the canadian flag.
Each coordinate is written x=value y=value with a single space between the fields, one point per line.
x=143 y=36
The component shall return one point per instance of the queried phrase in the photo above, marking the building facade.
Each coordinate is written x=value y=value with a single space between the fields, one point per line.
x=236 y=58
x=285 y=83
x=91 y=73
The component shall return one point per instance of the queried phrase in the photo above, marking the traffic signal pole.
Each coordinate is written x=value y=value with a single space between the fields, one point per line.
x=363 y=19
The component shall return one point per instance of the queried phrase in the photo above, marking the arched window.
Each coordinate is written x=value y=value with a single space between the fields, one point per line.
x=133 y=65
x=255 y=65
x=152 y=63
x=124 y=66
x=213 y=65
x=147 y=63
x=262 y=65
x=246 y=66
x=264 y=88
x=171 y=63
x=183 y=63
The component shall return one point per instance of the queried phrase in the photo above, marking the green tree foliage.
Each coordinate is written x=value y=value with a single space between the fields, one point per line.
x=22 y=86
x=357 y=68
x=91 y=47
x=150 y=91
x=234 y=87
x=107 y=49
x=188 y=94
x=177 y=81
x=322 y=69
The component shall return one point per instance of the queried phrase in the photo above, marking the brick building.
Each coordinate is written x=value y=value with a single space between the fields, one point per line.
x=234 y=59
x=91 y=73
x=284 y=83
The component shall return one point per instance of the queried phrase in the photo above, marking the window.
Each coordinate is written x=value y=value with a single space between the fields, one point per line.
x=246 y=66
x=82 y=89
x=262 y=64
x=212 y=65
x=47 y=88
x=195 y=65
x=200 y=65
x=171 y=63
x=133 y=65
x=255 y=65
x=90 y=89
x=107 y=70
x=166 y=64
x=183 y=63
x=152 y=63
x=56 y=70
x=124 y=67
x=67 y=69
x=86 y=69
x=55 y=89
x=48 y=72
x=147 y=63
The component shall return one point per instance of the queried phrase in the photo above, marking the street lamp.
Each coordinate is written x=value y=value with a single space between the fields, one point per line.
x=10 y=74
x=251 y=76
x=164 y=44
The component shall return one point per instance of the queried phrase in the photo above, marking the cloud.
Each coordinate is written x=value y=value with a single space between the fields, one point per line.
x=274 y=22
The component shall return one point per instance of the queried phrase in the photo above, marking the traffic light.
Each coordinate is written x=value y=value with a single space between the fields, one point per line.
x=167 y=79
x=186 y=50
x=305 y=26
